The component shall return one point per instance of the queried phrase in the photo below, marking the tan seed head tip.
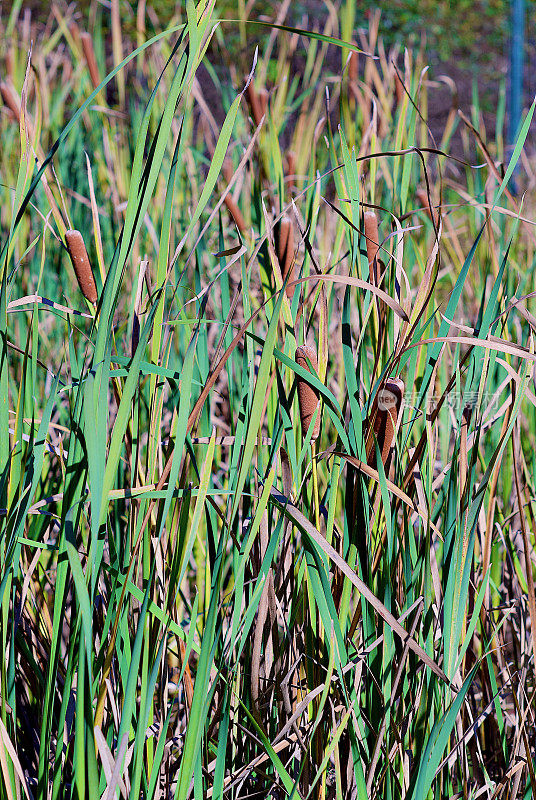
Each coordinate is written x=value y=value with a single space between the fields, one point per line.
x=304 y=352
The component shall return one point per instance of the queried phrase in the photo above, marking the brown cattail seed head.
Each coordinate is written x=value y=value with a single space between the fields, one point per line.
x=263 y=100
x=82 y=267
x=227 y=169
x=382 y=419
x=10 y=98
x=10 y=62
x=399 y=89
x=373 y=244
x=285 y=251
x=353 y=66
x=91 y=61
x=235 y=212
x=74 y=30
x=307 y=396
x=422 y=197
x=290 y=171
x=255 y=103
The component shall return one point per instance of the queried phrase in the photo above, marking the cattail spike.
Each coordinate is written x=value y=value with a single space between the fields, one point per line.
x=263 y=100
x=74 y=30
x=10 y=62
x=373 y=244
x=382 y=419
x=290 y=172
x=285 y=252
x=91 y=61
x=399 y=89
x=422 y=197
x=227 y=169
x=308 y=397
x=353 y=66
x=254 y=103
x=10 y=98
x=82 y=267
x=235 y=212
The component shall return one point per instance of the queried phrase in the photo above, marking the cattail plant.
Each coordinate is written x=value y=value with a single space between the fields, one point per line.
x=10 y=62
x=10 y=98
x=399 y=89
x=258 y=102
x=82 y=267
x=285 y=251
x=353 y=66
x=263 y=99
x=91 y=61
x=382 y=419
x=232 y=207
x=373 y=244
x=308 y=397
x=422 y=196
x=290 y=169
x=74 y=30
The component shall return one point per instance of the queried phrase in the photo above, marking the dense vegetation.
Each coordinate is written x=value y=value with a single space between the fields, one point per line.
x=267 y=493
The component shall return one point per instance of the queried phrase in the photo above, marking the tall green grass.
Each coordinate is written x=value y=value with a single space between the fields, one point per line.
x=199 y=598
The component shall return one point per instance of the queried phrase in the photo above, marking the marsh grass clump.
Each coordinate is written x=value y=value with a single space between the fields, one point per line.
x=202 y=593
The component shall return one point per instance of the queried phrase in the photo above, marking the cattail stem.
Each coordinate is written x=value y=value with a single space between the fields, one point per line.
x=308 y=397
x=82 y=267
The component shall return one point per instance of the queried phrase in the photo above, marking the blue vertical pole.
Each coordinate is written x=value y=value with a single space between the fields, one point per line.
x=517 y=47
